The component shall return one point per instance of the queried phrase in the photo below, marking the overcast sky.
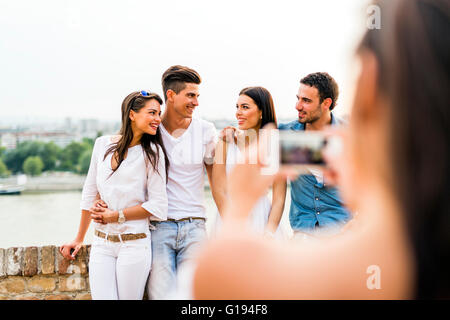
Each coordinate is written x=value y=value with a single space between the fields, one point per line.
x=81 y=58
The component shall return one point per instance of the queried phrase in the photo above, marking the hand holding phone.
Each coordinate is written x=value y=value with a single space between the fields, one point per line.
x=302 y=150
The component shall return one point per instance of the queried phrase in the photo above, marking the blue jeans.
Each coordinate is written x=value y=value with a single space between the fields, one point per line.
x=174 y=245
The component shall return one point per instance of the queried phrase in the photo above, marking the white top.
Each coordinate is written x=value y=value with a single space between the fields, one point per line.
x=259 y=215
x=134 y=182
x=187 y=156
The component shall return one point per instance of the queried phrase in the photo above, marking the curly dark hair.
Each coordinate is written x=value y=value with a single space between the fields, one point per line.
x=325 y=84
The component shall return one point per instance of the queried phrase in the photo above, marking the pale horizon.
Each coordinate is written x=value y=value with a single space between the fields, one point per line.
x=79 y=59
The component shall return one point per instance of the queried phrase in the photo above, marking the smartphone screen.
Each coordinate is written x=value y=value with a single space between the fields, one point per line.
x=301 y=148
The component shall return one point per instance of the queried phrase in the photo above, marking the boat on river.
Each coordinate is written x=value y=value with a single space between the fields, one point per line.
x=11 y=189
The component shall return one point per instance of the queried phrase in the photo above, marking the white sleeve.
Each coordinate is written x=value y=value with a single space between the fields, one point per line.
x=89 y=192
x=156 y=202
x=210 y=141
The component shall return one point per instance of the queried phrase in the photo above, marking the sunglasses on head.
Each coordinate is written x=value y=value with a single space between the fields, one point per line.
x=142 y=93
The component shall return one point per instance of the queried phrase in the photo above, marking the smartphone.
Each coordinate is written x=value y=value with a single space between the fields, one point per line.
x=302 y=150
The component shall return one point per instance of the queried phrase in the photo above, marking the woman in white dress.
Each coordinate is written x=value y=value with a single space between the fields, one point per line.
x=254 y=109
x=128 y=173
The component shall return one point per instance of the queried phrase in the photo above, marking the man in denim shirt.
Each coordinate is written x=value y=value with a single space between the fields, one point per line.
x=315 y=205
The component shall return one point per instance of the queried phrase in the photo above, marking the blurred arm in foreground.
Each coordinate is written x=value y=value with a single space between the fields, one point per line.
x=236 y=264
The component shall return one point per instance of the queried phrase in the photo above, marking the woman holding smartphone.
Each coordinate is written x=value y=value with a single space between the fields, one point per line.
x=393 y=170
x=129 y=174
x=254 y=109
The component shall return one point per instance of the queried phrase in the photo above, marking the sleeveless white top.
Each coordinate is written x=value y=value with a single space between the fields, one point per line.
x=259 y=215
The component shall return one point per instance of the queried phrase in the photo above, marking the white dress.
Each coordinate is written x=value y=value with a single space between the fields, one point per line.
x=260 y=213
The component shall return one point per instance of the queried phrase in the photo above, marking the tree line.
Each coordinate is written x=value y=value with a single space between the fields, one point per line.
x=35 y=157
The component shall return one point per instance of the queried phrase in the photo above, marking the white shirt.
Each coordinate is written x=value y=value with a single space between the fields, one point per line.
x=134 y=182
x=187 y=154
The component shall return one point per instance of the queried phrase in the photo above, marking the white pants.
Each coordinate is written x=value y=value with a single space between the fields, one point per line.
x=119 y=270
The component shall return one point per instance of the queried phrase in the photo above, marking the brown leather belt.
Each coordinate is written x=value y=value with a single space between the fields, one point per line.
x=185 y=219
x=124 y=236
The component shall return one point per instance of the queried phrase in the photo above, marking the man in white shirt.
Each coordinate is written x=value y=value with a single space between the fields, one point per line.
x=190 y=144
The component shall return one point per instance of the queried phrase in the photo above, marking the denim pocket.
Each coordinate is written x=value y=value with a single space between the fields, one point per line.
x=199 y=223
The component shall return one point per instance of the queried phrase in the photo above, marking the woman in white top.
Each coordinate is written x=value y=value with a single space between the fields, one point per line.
x=254 y=109
x=128 y=172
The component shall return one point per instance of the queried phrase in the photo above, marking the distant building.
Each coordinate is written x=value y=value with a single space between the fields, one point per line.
x=61 y=139
x=68 y=124
x=89 y=127
x=8 y=140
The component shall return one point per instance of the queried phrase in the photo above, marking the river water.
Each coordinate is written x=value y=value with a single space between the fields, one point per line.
x=52 y=218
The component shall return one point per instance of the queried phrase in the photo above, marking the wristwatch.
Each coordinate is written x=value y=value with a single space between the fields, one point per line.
x=121 y=217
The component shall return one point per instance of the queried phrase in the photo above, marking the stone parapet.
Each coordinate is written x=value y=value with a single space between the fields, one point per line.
x=42 y=273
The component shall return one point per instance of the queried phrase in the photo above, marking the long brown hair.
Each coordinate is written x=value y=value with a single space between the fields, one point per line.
x=412 y=50
x=263 y=99
x=136 y=101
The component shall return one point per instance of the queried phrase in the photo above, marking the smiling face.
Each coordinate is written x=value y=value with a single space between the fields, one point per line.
x=308 y=104
x=248 y=113
x=147 y=119
x=185 y=102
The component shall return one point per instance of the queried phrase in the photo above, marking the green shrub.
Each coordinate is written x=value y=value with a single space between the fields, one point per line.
x=33 y=165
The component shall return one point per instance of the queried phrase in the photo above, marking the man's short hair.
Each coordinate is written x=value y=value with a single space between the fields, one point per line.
x=325 y=84
x=176 y=77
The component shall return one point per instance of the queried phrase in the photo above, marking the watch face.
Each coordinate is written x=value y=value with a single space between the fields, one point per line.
x=121 y=217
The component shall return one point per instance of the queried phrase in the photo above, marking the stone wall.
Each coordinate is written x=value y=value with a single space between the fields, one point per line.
x=42 y=273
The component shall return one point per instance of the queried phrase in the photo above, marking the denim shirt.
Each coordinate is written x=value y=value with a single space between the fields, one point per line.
x=313 y=202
